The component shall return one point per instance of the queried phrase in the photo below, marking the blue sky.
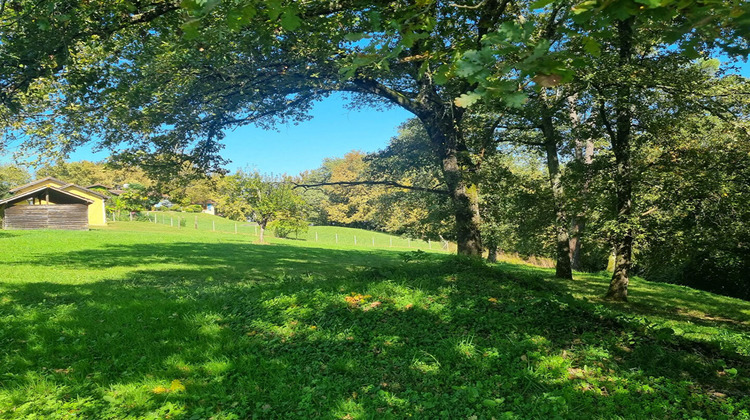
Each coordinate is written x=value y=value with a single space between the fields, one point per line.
x=333 y=131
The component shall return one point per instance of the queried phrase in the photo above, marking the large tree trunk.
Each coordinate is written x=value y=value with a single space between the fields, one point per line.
x=465 y=199
x=584 y=153
x=562 y=265
x=446 y=136
x=491 y=251
x=618 y=287
x=577 y=227
x=262 y=225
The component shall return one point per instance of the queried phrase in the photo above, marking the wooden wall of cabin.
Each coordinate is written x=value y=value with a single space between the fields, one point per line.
x=58 y=216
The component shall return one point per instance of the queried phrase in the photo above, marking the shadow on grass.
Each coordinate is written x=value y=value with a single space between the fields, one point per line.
x=6 y=234
x=279 y=331
x=666 y=301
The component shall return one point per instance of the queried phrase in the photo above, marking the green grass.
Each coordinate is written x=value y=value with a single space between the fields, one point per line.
x=146 y=321
x=345 y=238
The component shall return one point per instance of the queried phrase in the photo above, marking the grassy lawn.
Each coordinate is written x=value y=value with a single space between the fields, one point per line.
x=143 y=320
x=346 y=238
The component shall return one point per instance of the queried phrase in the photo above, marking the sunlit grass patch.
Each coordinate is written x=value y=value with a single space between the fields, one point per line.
x=156 y=323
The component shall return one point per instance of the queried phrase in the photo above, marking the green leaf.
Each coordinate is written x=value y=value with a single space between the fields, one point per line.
x=274 y=9
x=650 y=3
x=515 y=99
x=240 y=17
x=191 y=29
x=354 y=37
x=469 y=64
x=592 y=46
x=467 y=99
x=441 y=76
x=290 y=21
x=43 y=24
x=584 y=7
x=539 y=4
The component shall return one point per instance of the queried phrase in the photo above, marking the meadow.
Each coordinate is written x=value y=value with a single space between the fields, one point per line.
x=145 y=321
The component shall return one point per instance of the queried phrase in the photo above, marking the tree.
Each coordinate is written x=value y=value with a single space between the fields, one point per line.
x=263 y=199
x=397 y=189
x=87 y=173
x=265 y=63
x=41 y=38
x=12 y=176
x=132 y=200
x=350 y=205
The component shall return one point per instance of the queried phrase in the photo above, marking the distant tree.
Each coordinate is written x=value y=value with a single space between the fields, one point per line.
x=350 y=205
x=87 y=173
x=12 y=176
x=315 y=198
x=262 y=198
x=132 y=200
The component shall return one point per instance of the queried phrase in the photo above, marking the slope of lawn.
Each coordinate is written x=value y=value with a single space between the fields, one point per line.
x=140 y=320
x=324 y=235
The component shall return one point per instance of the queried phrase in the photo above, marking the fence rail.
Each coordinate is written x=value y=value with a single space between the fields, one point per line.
x=319 y=234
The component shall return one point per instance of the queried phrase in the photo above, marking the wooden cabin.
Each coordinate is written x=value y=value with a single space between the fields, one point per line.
x=97 y=215
x=46 y=207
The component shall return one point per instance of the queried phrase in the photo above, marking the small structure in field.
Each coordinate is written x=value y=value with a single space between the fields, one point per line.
x=53 y=204
x=45 y=208
x=208 y=207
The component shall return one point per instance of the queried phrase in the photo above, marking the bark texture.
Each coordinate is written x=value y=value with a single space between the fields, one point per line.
x=562 y=265
x=446 y=137
x=584 y=154
x=491 y=252
x=618 y=287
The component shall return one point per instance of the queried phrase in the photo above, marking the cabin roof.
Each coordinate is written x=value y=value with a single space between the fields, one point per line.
x=54 y=190
x=63 y=183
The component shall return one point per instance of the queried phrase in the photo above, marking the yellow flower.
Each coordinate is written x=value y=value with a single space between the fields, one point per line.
x=160 y=390
x=176 y=386
x=313 y=327
x=493 y=300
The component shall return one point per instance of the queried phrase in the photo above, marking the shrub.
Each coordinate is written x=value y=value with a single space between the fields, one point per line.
x=283 y=228
x=193 y=208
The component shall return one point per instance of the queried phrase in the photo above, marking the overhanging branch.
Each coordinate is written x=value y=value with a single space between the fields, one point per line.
x=387 y=183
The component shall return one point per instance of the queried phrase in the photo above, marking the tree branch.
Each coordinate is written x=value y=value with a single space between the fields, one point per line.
x=372 y=86
x=387 y=183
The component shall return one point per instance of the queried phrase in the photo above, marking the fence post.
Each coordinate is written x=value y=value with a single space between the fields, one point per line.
x=390 y=242
x=255 y=230
x=196 y=222
x=409 y=242
x=429 y=243
x=316 y=236
x=373 y=241
x=131 y=216
x=213 y=225
x=355 y=239
x=235 y=228
x=178 y=222
x=337 y=238
x=171 y=221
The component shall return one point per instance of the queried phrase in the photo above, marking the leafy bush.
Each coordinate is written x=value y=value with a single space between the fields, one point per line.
x=283 y=228
x=193 y=208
